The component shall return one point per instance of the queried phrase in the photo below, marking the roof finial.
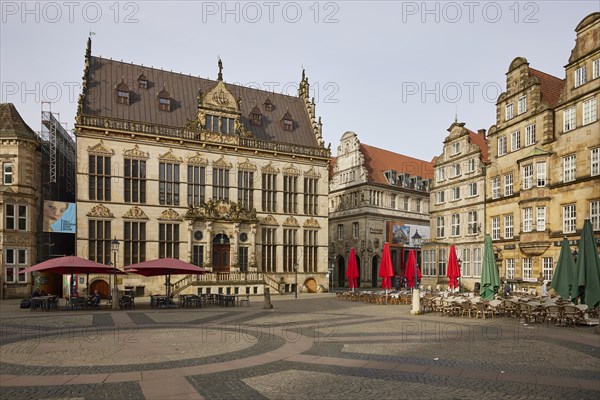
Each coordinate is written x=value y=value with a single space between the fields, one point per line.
x=456 y=113
x=303 y=74
x=220 y=69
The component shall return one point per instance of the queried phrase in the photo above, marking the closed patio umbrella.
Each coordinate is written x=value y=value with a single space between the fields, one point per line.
x=385 y=268
x=586 y=277
x=412 y=273
x=562 y=280
x=352 y=269
x=490 y=281
x=453 y=272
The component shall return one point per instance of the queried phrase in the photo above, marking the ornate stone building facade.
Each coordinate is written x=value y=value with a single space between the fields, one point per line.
x=376 y=196
x=227 y=177
x=19 y=202
x=457 y=209
x=544 y=151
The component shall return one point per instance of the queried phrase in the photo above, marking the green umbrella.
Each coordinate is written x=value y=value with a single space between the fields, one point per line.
x=490 y=281
x=562 y=278
x=586 y=276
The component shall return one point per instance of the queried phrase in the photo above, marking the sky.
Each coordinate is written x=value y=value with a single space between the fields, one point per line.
x=395 y=72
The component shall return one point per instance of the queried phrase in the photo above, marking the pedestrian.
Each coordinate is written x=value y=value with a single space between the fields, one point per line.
x=506 y=289
x=545 y=289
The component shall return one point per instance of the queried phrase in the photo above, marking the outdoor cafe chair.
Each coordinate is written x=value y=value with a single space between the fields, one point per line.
x=481 y=308
x=553 y=314
x=496 y=307
x=466 y=308
x=572 y=315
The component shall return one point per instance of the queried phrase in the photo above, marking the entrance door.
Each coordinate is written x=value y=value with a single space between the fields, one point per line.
x=220 y=253
x=102 y=288
x=341 y=272
x=374 y=271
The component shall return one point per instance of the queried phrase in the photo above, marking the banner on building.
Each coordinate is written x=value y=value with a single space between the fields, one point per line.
x=59 y=216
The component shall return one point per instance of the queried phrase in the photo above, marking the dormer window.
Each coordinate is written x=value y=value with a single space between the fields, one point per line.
x=122 y=93
x=256 y=116
x=142 y=81
x=268 y=105
x=287 y=123
x=164 y=100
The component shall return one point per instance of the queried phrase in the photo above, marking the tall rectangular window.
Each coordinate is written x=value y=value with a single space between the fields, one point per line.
x=455 y=224
x=168 y=240
x=508 y=185
x=246 y=189
x=496 y=187
x=508 y=226
x=355 y=230
x=569 y=218
x=428 y=262
x=540 y=219
x=595 y=162
x=456 y=193
x=290 y=194
x=168 y=184
x=472 y=189
x=393 y=201
x=440 y=174
x=527 y=219
x=501 y=146
x=243 y=258
x=522 y=105
x=472 y=221
x=15 y=217
x=589 y=111
x=135 y=242
x=99 y=178
x=471 y=165
x=198 y=255
x=466 y=262
x=220 y=184
x=596 y=68
x=99 y=238
x=439 y=197
x=134 y=181
x=569 y=119
x=196 y=185
x=7 y=173
x=340 y=232
x=580 y=76
x=269 y=250
x=310 y=196
x=477 y=261
x=547 y=268
x=527 y=176
x=269 y=192
x=510 y=268
x=569 y=168
x=541 y=174
x=495 y=228
x=530 y=135
x=15 y=262
x=515 y=141
x=442 y=262
x=311 y=246
x=440 y=227
x=508 y=112
x=290 y=250
x=527 y=268
x=9 y=216
x=595 y=214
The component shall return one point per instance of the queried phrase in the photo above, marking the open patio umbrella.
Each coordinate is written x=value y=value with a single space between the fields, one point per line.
x=490 y=281
x=453 y=272
x=412 y=273
x=563 y=275
x=385 y=268
x=165 y=266
x=586 y=276
x=352 y=269
x=70 y=265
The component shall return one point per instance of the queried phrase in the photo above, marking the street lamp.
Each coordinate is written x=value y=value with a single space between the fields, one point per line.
x=296 y=280
x=115 y=293
x=416 y=238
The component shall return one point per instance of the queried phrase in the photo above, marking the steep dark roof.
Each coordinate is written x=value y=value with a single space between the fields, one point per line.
x=480 y=141
x=11 y=123
x=105 y=74
x=377 y=161
x=550 y=86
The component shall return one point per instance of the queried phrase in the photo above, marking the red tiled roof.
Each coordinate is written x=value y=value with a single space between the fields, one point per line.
x=332 y=161
x=550 y=87
x=480 y=141
x=377 y=161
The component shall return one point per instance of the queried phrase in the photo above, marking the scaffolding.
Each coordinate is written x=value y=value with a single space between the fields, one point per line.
x=59 y=146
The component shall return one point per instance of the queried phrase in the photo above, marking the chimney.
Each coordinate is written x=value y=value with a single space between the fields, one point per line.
x=481 y=132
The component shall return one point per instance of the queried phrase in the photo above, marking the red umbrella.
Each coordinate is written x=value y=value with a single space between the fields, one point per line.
x=352 y=269
x=71 y=265
x=385 y=269
x=412 y=270
x=453 y=269
x=165 y=266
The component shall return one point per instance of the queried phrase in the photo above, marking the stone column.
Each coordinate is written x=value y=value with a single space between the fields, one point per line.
x=209 y=237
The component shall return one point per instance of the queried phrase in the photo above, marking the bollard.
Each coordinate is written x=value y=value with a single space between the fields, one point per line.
x=268 y=304
x=416 y=302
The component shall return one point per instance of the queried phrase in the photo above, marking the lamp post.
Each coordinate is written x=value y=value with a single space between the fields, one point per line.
x=416 y=300
x=296 y=280
x=115 y=293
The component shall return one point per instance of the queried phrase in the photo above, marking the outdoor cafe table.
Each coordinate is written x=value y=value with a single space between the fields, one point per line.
x=45 y=302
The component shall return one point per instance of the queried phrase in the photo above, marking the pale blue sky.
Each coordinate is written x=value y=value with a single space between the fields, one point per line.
x=394 y=72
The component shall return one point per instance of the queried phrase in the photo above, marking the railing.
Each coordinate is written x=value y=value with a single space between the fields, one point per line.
x=272 y=283
x=209 y=137
x=218 y=278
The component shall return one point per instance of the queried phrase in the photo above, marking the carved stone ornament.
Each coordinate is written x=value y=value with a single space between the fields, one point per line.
x=270 y=169
x=100 y=211
x=269 y=220
x=221 y=210
x=221 y=163
x=136 y=154
x=197 y=160
x=247 y=166
x=220 y=97
x=291 y=170
x=100 y=150
x=169 y=157
x=291 y=221
x=135 y=213
x=311 y=173
x=311 y=223
x=170 y=215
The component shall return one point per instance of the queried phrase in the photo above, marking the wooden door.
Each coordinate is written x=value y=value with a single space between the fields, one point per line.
x=220 y=258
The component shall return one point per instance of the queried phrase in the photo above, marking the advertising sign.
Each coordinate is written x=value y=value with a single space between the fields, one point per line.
x=59 y=216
